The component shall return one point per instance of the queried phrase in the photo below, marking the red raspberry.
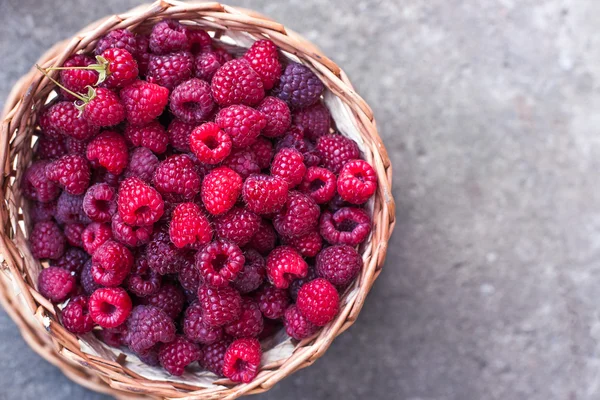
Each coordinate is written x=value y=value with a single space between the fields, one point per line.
x=265 y=238
x=111 y=263
x=95 y=235
x=222 y=54
x=315 y=120
x=243 y=124
x=178 y=354
x=219 y=262
x=73 y=234
x=237 y=83
x=169 y=36
x=144 y=101
x=143 y=281
x=104 y=109
x=71 y=173
x=285 y=264
x=179 y=135
x=205 y=66
x=56 y=284
x=278 y=116
x=299 y=86
x=114 y=337
x=272 y=301
x=69 y=209
x=253 y=274
x=86 y=279
x=36 y=186
x=339 y=264
x=177 y=175
x=120 y=39
x=76 y=317
x=196 y=330
x=214 y=355
x=191 y=101
x=63 y=117
x=171 y=69
x=77 y=147
x=242 y=360
x=288 y=164
x=200 y=41
x=189 y=226
x=296 y=325
x=238 y=225
x=108 y=150
x=250 y=322
x=320 y=184
x=47 y=241
x=169 y=298
x=48 y=119
x=220 y=306
x=242 y=161
x=348 y=225
x=109 y=307
x=100 y=202
x=263 y=149
x=299 y=216
x=264 y=59
x=357 y=182
x=152 y=136
x=139 y=203
x=147 y=326
x=220 y=190
x=122 y=68
x=72 y=260
x=142 y=164
x=209 y=143
x=307 y=245
x=318 y=301
x=335 y=151
x=189 y=276
x=77 y=80
x=298 y=283
x=50 y=147
x=265 y=194
x=162 y=255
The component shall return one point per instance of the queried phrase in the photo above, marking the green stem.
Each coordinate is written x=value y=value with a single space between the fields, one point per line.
x=76 y=95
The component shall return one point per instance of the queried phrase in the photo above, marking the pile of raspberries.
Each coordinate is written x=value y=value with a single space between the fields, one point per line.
x=189 y=204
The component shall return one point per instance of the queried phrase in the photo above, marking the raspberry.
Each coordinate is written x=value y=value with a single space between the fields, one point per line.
x=288 y=164
x=47 y=241
x=95 y=235
x=209 y=143
x=111 y=263
x=253 y=273
x=242 y=161
x=69 y=209
x=237 y=83
x=265 y=238
x=114 y=336
x=100 y=202
x=122 y=68
x=205 y=66
x=320 y=184
x=109 y=307
x=177 y=175
x=168 y=36
x=250 y=322
x=200 y=41
x=296 y=325
x=238 y=225
x=243 y=124
x=169 y=298
x=265 y=194
x=179 y=135
x=196 y=330
x=48 y=120
x=163 y=257
x=270 y=328
x=147 y=326
x=77 y=147
x=77 y=80
x=144 y=101
x=242 y=360
x=357 y=182
x=142 y=164
x=299 y=216
x=40 y=212
x=139 y=203
x=142 y=54
x=315 y=120
x=86 y=279
x=219 y=262
x=104 y=109
x=76 y=317
x=109 y=150
x=263 y=149
x=73 y=234
x=152 y=136
x=189 y=226
x=285 y=264
x=171 y=69
x=336 y=203
x=293 y=139
x=143 y=281
x=189 y=276
x=339 y=264
x=272 y=301
x=222 y=54
x=214 y=355
x=220 y=190
x=101 y=175
x=348 y=225
x=178 y=354
x=278 y=116
x=318 y=301
x=71 y=173
x=307 y=245
x=263 y=59
x=48 y=147
x=150 y=356
x=120 y=39
x=299 y=86
x=335 y=151
x=63 y=117
x=56 y=284
x=191 y=101
x=298 y=283
x=220 y=306
x=72 y=260
x=37 y=186
x=132 y=236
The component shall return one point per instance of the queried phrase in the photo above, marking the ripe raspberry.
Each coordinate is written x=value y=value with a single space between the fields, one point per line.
x=339 y=264
x=219 y=262
x=132 y=236
x=296 y=325
x=122 y=68
x=177 y=175
x=253 y=274
x=250 y=322
x=278 y=116
x=119 y=39
x=222 y=54
x=162 y=255
x=220 y=190
x=143 y=281
x=56 y=284
x=318 y=301
x=147 y=326
x=109 y=150
x=263 y=149
x=144 y=101
x=298 y=283
x=179 y=135
x=320 y=184
x=205 y=66
x=139 y=203
x=100 y=202
x=111 y=263
x=64 y=118
x=104 y=109
x=178 y=354
x=73 y=234
x=237 y=83
x=285 y=264
x=114 y=337
x=168 y=36
x=69 y=209
x=265 y=194
x=171 y=69
x=265 y=238
x=299 y=86
x=242 y=360
x=220 y=306
x=95 y=235
x=76 y=317
x=169 y=298
x=214 y=355
x=142 y=164
x=348 y=225
x=307 y=245
x=47 y=241
x=263 y=59
x=299 y=216
x=142 y=54
x=48 y=120
x=288 y=164
x=315 y=120
x=77 y=147
x=109 y=307
x=189 y=226
x=71 y=173
x=272 y=301
x=152 y=136
x=242 y=161
x=77 y=80
x=335 y=151
x=293 y=139
x=209 y=143
x=191 y=101
x=196 y=330
x=337 y=203
x=36 y=186
x=86 y=279
x=200 y=41
x=72 y=260
x=150 y=356
x=357 y=182
x=242 y=124
x=238 y=225
x=48 y=147
x=40 y=212
x=189 y=276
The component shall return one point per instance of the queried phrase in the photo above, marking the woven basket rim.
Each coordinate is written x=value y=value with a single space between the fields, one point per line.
x=36 y=317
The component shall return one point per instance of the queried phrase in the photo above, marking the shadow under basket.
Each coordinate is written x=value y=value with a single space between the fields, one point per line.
x=85 y=359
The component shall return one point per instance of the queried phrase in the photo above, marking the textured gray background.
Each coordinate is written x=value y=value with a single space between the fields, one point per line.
x=490 y=114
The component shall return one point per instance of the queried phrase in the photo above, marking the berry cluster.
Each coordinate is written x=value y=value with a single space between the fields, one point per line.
x=189 y=203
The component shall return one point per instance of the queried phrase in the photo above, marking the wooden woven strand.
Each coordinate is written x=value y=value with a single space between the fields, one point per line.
x=36 y=317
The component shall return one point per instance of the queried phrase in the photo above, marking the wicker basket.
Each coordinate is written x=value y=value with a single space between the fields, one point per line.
x=87 y=361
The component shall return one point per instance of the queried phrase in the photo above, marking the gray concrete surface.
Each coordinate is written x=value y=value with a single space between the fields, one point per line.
x=490 y=111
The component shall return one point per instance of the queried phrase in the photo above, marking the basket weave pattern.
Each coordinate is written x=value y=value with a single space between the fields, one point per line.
x=36 y=317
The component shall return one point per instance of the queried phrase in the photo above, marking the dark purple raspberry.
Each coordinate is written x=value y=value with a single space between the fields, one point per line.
x=36 y=186
x=238 y=225
x=143 y=281
x=77 y=147
x=69 y=209
x=48 y=147
x=315 y=120
x=253 y=274
x=178 y=354
x=100 y=202
x=169 y=298
x=296 y=325
x=205 y=66
x=189 y=276
x=169 y=36
x=219 y=262
x=147 y=326
x=150 y=356
x=272 y=301
x=76 y=317
x=250 y=322
x=142 y=164
x=72 y=260
x=196 y=330
x=163 y=257
x=40 y=212
x=179 y=135
x=114 y=337
x=214 y=355
x=220 y=306
x=171 y=69
x=191 y=101
x=47 y=241
x=132 y=236
x=73 y=234
x=120 y=39
x=56 y=284
x=299 y=216
x=299 y=86
x=348 y=225
x=87 y=281
x=339 y=264
x=265 y=238
x=243 y=161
